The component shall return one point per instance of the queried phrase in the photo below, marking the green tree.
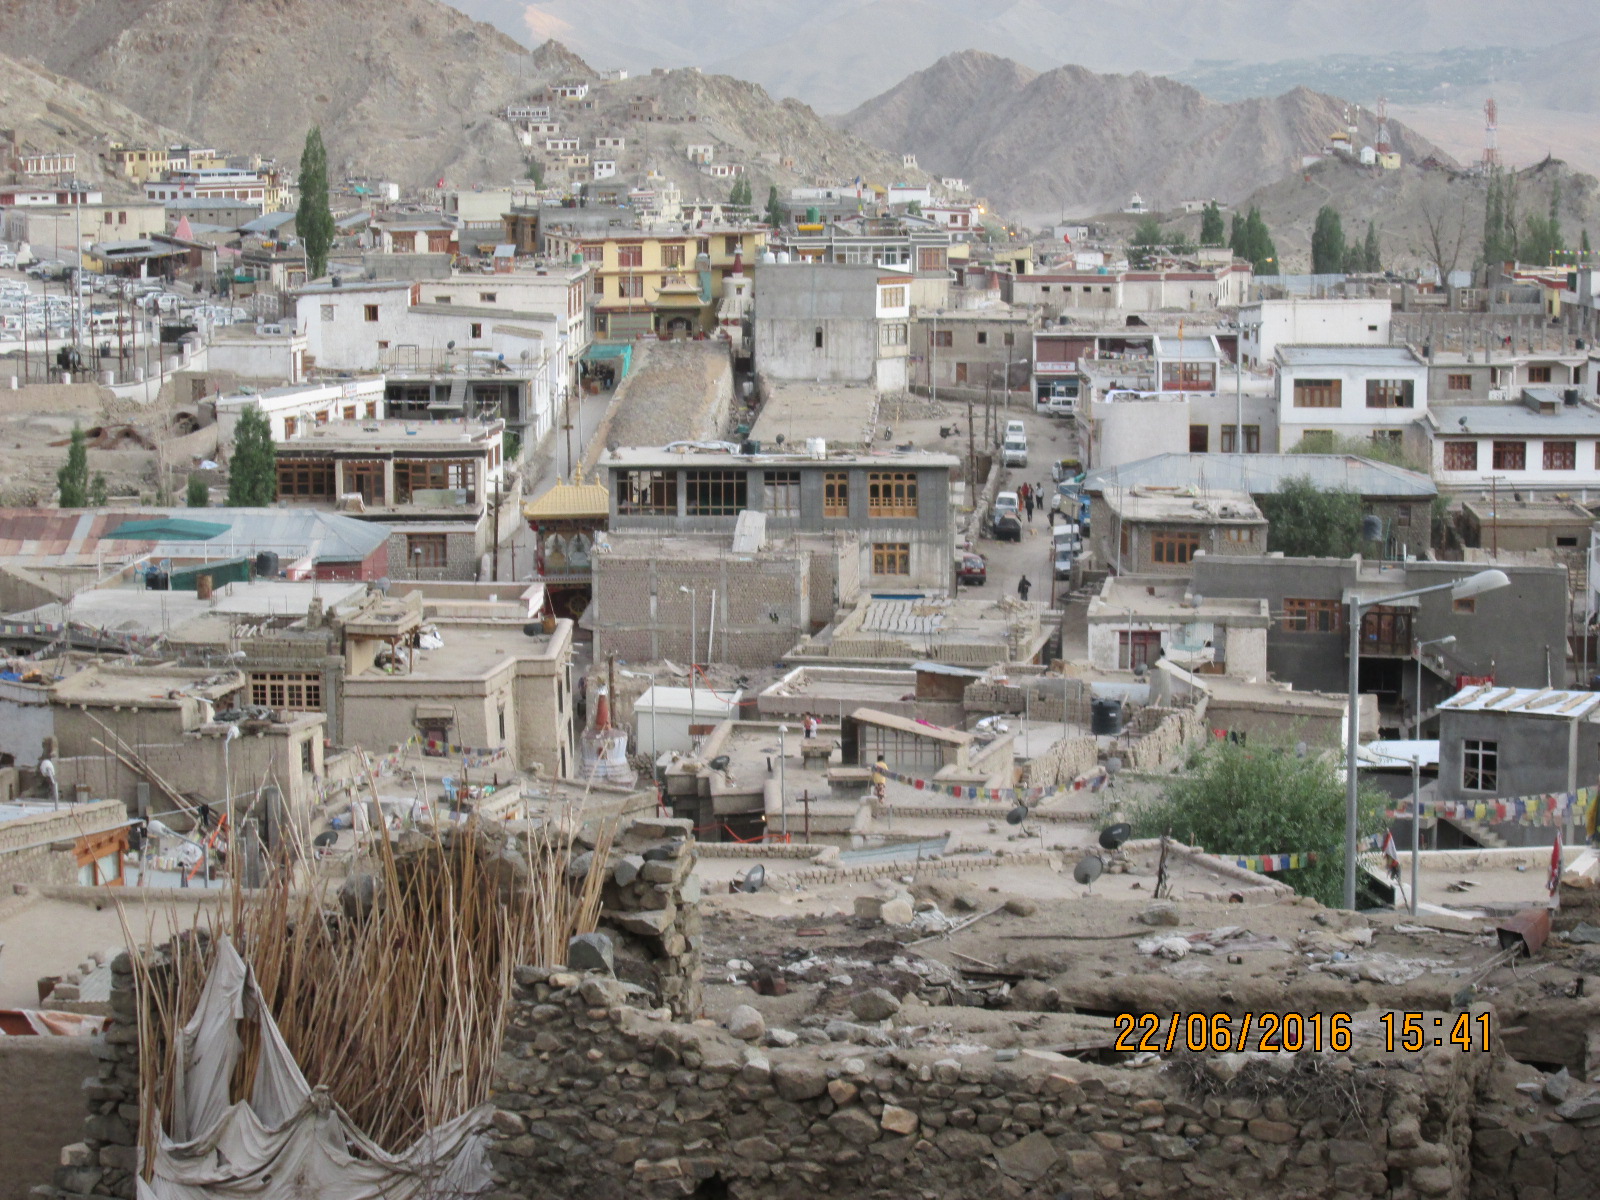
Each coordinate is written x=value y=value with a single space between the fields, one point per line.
x=314 y=219
x=1378 y=450
x=1211 y=232
x=1371 y=259
x=197 y=494
x=536 y=172
x=739 y=194
x=1265 y=798
x=72 y=480
x=1305 y=521
x=1583 y=245
x=1327 y=242
x=1543 y=242
x=1147 y=240
x=1252 y=242
x=253 y=472
x=99 y=491
x=774 y=207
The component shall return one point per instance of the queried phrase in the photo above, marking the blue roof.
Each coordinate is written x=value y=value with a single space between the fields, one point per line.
x=268 y=222
x=288 y=532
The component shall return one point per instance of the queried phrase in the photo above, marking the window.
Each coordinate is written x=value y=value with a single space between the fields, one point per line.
x=836 y=494
x=1510 y=456
x=475 y=330
x=930 y=260
x=1138 y=648
x=1389 y=393
x=780 y=493
x=1538 y=374
x=371 y=311
x=593 y=252
x=1466 y=605
x=293 y=691
x=983 y=338
x=1458 y=383
x=630 y=288
x=648 y=493
x=372 y=410
x=891 y=558
x=426 y=550
x=1199 y=439
x=816 y=338
x=716 y=493
x=894 y=333
x=488 y=297
x=365 y=477
x=348 y=413
x=1312 y=616
x=1461 y=456
x=327 y=312
x=1480 y=765
x=892 y=297
x=672 y=256
x=1230 y=438
x=630 y=256
x=1567 y=542
x=1175 y=547
x=1561 y=456
x=1011 y=339
x=442 y=299
x=289 y=426
x=940 y=337
x=1317 y=393
x=438 y=474
x=122 y=218
x=891 y=494
x=1402 y=516
x=730 y=245
x=305 y=480
x=1239 y=535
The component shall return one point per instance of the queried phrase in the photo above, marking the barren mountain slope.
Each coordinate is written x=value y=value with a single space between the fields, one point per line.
x=1072 y=141
x=405 y=88
x=52 y=113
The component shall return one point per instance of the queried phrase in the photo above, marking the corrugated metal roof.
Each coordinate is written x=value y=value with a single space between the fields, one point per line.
x=1531 y=702
x=32 y=533
x=570 y=500
x=1259 y=474
x=1491 y=419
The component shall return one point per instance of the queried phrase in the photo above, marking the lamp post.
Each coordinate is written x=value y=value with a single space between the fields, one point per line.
x=1460 y=589
x=783 y=795
x=694 y=636
x=1449 y=640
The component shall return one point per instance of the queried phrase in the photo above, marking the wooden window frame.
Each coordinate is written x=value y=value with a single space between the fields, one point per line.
x=1505 y=451
x=1561 y=456
x=891 y=558
x=836 y=494
x=780 y=493
x=1391 y=393
x=1460 y=455
x=1174 y=547
x=1312 y=615
x=648 y=493
x=1318 y=393
x=892 y=494
x=1458 y=383
x=716 y=493
x=1480 y=765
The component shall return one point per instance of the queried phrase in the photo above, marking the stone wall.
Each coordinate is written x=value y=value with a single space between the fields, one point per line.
x=30 y=847
x=42 y=1080
x=599 y=1099
x=650 y=907
x=1157 y=737
x=1065 y=761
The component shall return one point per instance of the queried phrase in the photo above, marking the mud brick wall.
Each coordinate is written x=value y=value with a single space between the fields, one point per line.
x=1159 y=735
x=1062 y=763
x=596 y=1099
x=37 y=849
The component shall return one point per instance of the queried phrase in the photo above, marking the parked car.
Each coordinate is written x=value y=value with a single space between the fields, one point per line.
x=1065 y=469
x=1063 y=562
x=1066 y=536
x=1007 y=528
x=1016 y=429
x=973 y=571
x=1014 y=452
x=1006 y=502
x=1059 y=406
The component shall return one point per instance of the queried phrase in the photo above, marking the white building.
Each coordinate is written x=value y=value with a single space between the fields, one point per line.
x=570 y=91
x=910 y=193
x=527 y=112
x=1268 y=324
x=214 y=183
x=563 y=145
x=604 y=168
x=611 y=143
x=833 y=322
x=1348 y=391
x=268 y=351
x=1541 y=444
x=291 y=410
x=700 y=152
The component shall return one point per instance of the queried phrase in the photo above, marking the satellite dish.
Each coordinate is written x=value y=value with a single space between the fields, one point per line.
x=450 y=345
x=754 y=879
x=1017 y=815
x=720 y=762
x=1372 y=528
x=1112 y=836
x=325 y=839
x=1088 y=869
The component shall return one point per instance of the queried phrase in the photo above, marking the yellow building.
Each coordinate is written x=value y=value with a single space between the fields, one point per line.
x=657 y=283
x=140 y=164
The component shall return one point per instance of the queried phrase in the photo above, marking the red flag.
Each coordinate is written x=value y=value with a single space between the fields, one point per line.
x=1391 y=856
x=1554 y=882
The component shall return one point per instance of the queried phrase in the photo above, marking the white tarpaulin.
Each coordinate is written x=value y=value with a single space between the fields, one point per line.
x=289 y=1140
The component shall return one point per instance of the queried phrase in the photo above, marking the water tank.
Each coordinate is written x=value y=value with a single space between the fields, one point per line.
x=783 y=257
x=817 y=447
x=266 y=565
x=157 y=581
x=1105 y=717
x=813 y=214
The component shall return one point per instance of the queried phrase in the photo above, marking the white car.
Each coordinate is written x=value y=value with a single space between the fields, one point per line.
x=1016 y=429
x=1014 y=452
x=1006 y=502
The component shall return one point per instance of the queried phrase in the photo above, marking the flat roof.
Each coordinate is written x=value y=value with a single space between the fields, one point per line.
x=682 y=701
x=836 y=412
x=1212 y=508
x=1468 y=420
x=643 y=456
x=1532 y=702
x=1530 y=512
x=1258 y=474
x=1348 y=356
x=1119 y=598
x=132 y=609
x=366 y=434
x=149 y=686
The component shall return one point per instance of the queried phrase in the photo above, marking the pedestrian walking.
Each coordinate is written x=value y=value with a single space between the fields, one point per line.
x=1022 y=588
x=1029 y=505
x=1022 y=493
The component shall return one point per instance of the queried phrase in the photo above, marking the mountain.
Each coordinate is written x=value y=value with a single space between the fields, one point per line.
x=49 y=113
x=402 y=88
x=1071 y=142
x=836 y=53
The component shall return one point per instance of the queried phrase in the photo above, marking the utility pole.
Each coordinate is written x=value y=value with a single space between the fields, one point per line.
x=972 y=456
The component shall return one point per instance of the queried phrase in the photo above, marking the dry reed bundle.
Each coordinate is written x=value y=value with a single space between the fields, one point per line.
x=396 y=999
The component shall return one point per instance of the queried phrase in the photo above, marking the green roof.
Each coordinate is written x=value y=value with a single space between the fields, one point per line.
x=168 y=529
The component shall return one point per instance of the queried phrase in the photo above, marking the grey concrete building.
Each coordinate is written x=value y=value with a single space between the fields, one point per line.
x=1506 y=741
x=897 y=505
x=1516 y=635
x=833 y=323
x=1152 y=530
x=1402 y=498
x=973 y=353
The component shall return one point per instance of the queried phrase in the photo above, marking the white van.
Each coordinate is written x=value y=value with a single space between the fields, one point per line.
x=1014 y=451
x=1016 y=429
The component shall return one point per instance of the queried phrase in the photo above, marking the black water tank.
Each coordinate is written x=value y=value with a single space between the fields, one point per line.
x=1105 y=716
x=266 y=565
x=157 y=581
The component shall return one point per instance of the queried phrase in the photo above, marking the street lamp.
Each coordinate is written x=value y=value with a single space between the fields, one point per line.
x=1449 y=640
x=1460 y=589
